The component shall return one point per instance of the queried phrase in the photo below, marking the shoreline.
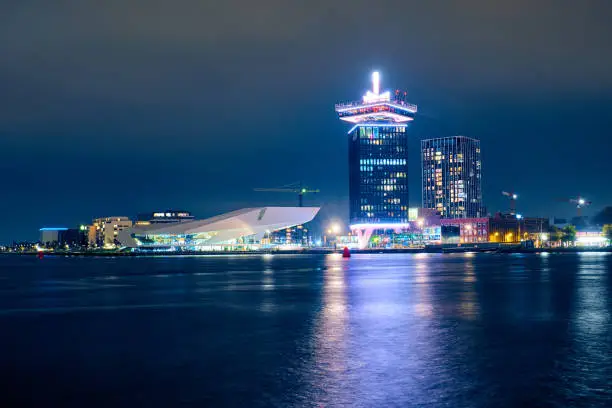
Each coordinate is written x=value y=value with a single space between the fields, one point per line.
x=433 y=250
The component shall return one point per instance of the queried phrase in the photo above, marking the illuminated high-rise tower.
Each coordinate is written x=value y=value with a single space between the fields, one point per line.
x=378 y=158
x=452 y=176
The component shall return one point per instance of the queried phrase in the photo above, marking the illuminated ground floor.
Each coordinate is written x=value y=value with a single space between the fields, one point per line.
x=404 y=235
x=243 y=230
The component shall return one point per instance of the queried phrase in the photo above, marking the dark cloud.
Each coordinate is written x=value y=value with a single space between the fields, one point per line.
x=195 y=102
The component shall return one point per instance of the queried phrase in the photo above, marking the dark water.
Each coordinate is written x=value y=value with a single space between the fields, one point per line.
x=315 y=331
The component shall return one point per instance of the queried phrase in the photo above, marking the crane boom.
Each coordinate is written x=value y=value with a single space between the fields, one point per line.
x=291 y=188
x=580 y=202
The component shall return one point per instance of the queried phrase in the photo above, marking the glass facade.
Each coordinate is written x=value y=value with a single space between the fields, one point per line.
x=451 y=174
x=378 y=174
x=298 y=235
x=191 y=242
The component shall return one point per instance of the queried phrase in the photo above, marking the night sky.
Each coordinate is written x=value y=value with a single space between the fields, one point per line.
x=120 y=107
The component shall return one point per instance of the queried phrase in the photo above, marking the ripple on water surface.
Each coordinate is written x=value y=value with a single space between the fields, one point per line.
x=427 y=330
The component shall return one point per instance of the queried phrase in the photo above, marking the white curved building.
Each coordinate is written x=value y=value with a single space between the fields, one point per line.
x=245 y=228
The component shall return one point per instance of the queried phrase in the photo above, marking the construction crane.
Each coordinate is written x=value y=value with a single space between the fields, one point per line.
x=580 y=202
x=292 y=188
x=512 y=196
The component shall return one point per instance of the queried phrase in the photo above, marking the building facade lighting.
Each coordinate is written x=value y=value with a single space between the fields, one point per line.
x=451 y=176
x=378 y=157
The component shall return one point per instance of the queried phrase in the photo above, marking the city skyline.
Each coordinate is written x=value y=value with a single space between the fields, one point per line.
x=98 y=117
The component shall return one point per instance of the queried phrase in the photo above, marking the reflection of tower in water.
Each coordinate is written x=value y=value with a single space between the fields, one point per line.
x=331 y=333
x=332 y=326
x=423 y=306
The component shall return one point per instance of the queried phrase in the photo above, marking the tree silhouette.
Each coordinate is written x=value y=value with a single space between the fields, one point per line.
x=603 y=217
x=569 y=234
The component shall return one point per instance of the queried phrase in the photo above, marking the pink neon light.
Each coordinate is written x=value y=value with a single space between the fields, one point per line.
x=381 y=225
x=387 y=115
x=408 y=108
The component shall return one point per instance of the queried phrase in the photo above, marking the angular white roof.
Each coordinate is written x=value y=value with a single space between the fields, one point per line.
x=228 y=226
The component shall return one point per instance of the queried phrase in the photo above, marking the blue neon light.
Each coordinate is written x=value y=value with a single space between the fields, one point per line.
x=378 y=125
x=400 y=107
x=53 y=229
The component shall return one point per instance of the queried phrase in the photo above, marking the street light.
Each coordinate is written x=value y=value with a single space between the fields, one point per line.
x=333 y=230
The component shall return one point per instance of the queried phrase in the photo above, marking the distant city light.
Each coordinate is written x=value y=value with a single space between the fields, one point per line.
x=586 y=240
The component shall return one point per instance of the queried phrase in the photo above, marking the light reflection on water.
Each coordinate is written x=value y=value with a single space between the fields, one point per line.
x=372 y=348
x=427 y=330
x=468 y=306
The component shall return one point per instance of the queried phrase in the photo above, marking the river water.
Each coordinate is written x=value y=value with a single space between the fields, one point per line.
x=422 y=330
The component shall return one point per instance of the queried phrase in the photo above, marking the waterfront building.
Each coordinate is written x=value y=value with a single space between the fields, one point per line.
x=451 y=176
x=164 y=217
x=52 y=236
x=591 y=238
x=92 y=233
x=245 y=229
x=534 y=226
x=423 y=216
x=107 y=229
x=502 y=228
x=296 y=236
x=465 y=230
x=378 y=160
